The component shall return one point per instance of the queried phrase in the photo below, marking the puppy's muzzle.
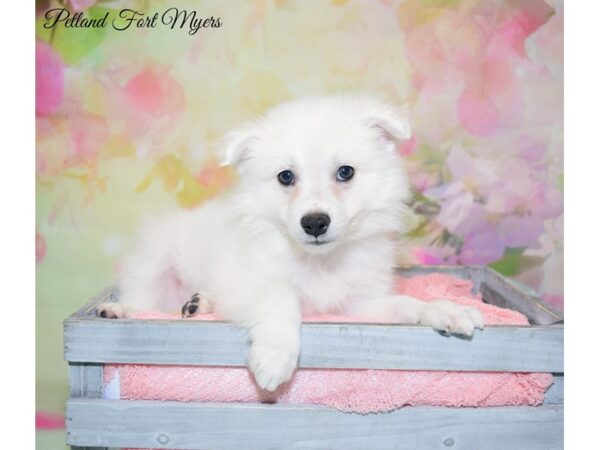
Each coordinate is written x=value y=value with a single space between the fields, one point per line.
x=315 y=224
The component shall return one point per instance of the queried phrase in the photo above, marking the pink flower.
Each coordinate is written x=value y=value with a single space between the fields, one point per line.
x=477 y=113
x=545 y=201
x=514 y=176
x=434 y=256
x=502 y=201
x=49 y=79
x=81 y=5
x=408 y=147
x=426 y=257
x=475 y=174
x=213 y=175
x=89 y=134
x=531 y=151
x=545 y=45
x=460 y=213
x=556 y=300
x=40 y=247
x=520 y=231
x=482 y=248
x=49 y=421
x=474 y=222
x=455 y=206
x=422 y=181
x=155 y=93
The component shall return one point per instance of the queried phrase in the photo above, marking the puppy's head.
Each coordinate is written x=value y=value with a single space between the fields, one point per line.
x=323 y=170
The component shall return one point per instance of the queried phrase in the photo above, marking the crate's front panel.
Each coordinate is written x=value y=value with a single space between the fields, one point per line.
x=257 y=426
x=334 y=345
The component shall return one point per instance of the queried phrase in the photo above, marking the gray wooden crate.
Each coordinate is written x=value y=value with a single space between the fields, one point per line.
x=93 y=422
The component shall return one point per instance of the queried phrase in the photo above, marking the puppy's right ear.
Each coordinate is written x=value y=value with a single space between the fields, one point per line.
x=391 y=121
x=238 y=146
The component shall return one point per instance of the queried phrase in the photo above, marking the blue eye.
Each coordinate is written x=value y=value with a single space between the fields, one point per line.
x=286 y=177
x=345 y=173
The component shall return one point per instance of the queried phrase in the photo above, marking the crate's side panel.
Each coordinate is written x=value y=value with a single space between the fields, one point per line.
x=109 y=294
x=495 y=289
x=255 y=426
x=85 y=381
x=556 y=393
x=412 y=270
x=473 y=273
x=505 y=293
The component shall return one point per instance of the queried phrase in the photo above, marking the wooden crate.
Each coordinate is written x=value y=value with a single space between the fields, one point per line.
x=93 y=422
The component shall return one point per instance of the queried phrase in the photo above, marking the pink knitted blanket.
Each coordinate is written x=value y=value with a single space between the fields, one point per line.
x=362 y=391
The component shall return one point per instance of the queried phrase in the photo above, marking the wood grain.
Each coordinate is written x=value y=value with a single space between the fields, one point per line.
x=178 y=425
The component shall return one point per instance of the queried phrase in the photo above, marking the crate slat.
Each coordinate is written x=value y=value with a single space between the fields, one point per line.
x=178 y=425
x=326 y=345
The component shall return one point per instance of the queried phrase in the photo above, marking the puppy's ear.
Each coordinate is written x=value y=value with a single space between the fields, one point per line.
x=237 y=146
x=392 y=122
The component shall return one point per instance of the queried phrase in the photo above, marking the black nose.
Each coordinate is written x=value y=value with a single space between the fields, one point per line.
x=315 y=224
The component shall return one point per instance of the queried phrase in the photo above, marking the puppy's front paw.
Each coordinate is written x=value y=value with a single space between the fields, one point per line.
x=271 y=366
x=451 y=318
x=195 y=306
x=110 y=310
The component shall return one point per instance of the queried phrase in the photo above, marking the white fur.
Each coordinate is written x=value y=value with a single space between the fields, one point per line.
x=247 y=253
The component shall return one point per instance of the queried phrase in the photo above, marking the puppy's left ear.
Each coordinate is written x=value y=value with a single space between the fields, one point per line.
x=392 y=122
x=238 y=146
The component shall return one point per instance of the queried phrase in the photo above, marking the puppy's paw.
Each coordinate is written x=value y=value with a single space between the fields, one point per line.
x=271 y=366
x=110 y=311
x=195 y=306
x=451 y=318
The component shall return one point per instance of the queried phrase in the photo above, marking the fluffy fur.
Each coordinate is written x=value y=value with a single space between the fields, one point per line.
x=248 y=254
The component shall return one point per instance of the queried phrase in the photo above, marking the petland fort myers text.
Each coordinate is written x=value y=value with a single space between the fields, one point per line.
x=127 y=19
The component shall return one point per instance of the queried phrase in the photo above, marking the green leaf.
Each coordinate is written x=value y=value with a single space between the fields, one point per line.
x=431 y=155
x=418 y=197
x=419 y=231
x=73 y=44
x=515 y=251
x=445 y=4
x=515 y=262
x=561 y=182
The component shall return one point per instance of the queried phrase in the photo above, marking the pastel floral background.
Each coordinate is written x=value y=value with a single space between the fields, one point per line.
x=128 y=121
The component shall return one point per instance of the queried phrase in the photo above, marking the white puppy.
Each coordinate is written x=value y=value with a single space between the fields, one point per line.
x=309 y=226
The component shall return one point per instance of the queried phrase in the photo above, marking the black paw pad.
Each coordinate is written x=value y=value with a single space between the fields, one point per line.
x=190 y=308
x=106 y=314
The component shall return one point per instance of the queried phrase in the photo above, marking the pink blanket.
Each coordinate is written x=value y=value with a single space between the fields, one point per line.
x=362 y=391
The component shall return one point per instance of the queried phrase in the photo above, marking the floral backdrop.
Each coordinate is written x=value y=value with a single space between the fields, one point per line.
x=128 y=121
